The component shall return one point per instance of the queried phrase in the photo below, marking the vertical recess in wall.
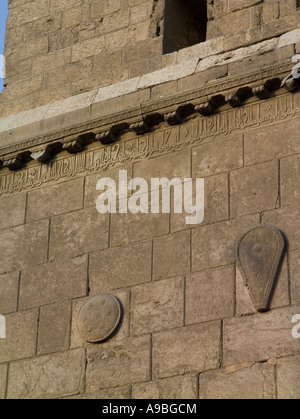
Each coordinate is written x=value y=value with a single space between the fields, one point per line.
x=185 y=24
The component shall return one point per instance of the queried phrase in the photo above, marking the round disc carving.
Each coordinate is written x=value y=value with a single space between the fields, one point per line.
x=99 y=318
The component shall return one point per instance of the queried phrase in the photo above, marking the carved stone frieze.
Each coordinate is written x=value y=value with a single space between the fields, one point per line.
x=197 y=129
x=155 y=111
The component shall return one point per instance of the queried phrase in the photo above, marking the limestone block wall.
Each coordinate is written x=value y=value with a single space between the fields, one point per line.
x=189 y=329
x=90 y=92
x=56 y=49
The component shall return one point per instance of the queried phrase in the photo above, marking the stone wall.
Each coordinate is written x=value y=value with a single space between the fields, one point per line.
x=189 y=328
x=55 y=49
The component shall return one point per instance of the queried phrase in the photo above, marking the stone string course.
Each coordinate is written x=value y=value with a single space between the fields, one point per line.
x=189 y=329
x=148 y=144
x=150 y=121
x=178 y=339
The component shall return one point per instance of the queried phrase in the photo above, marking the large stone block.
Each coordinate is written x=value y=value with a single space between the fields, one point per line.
x=54 y=328
x=229 y=23
x=288 y=378
x=117 y=104
x=287 y=7
x=47 y=377
x=21 y=336
x=260 y=337
x=3 y=380
x=216 y=203
x=43 y=26
x=61 y=5
x=48 y=62
x=71 y=72
x=157 y=306
x=64 y=38
x=74 y=16
x=273 y=142
x=12 y=211
x=235 y=5
x=280 y=55
x=290 y=180
x=171 y=255
x=13 y=69
x=102 y=8
x=53 y=282
x=210 y=295
x=115 y=21
x=145 y=67
x=120 y=267
x=286 y=219
x=201 y=78
x=280 y=26
x=248 y=382
x=126 y=228
x=24 y=246
x=185 y=350
x=78 y=233
x=23 y=88
x=9 y=291
x=143 y=50
x=27 y=12
x=214 y=245
x=217 y=156
x=105 y=62
x=270 y=12
x=164 y=90
x=253 y=189
x=175 y=388
x=54 y=200
x=87 y=48
x=112 y=365
x=170 y=166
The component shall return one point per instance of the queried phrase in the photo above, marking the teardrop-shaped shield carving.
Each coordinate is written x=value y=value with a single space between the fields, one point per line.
x=259 y=254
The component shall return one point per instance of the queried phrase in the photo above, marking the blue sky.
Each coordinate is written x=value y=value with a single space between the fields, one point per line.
x=3 y=16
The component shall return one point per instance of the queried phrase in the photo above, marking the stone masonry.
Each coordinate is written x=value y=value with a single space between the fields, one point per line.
x=58 y=48
x=90 y=91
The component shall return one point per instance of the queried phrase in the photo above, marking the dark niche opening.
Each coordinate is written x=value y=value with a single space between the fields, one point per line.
x=185 y=24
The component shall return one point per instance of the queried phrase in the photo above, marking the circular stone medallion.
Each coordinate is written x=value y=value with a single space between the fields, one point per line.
x=99 y=317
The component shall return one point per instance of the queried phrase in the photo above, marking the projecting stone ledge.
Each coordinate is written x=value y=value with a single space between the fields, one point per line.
x=134 y=96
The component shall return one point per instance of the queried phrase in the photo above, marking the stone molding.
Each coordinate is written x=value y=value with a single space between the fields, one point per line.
x=151 y=111
x=168 y=139
x=39 y=122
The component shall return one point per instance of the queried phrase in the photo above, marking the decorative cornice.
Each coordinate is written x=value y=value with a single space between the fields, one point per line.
x=146 y=118
x=193 y=131
x=148 y=111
